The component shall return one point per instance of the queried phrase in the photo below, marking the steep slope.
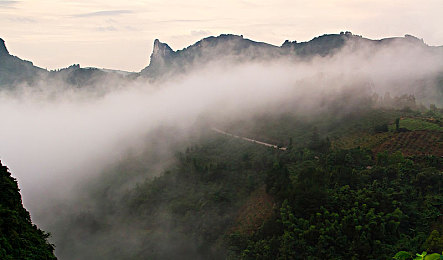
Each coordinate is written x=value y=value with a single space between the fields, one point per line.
x=19 y=238
x=14 y=70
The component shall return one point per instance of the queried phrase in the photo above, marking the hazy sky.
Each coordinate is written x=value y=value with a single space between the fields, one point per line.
x=119 y=34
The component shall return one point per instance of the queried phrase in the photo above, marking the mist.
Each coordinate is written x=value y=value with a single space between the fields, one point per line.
x=55 y=140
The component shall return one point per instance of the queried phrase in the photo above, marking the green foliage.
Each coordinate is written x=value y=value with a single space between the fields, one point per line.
x=417 y=124
x=403 y=255
x=330 y=203
x=346 y=205
x=19 y=238
x=434 y=256
x=200 y=196
x=434 y=243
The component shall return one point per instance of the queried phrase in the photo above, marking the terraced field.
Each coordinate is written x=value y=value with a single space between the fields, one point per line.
x=420 y=142
x=362 y=139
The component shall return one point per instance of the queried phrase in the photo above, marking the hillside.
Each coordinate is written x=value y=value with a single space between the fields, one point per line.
x=318 y=201
x=232 y=149
x=19 y=238
x=334 y=194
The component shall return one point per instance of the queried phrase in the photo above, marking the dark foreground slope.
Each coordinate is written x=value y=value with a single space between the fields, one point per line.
x=19 y=238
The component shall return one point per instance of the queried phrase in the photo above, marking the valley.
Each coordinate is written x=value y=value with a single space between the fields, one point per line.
x=229 y=149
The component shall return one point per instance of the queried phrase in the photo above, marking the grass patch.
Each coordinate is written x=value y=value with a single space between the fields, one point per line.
x=414 y=124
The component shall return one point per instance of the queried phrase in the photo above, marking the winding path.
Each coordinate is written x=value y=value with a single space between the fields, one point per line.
x=248 y=139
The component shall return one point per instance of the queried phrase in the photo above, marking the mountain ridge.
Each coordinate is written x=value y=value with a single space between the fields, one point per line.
x=164 y=60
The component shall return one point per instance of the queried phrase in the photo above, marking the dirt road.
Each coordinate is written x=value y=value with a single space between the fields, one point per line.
x=248 y=139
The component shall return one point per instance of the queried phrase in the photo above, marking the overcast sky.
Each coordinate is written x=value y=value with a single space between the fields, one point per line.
x=119 y=34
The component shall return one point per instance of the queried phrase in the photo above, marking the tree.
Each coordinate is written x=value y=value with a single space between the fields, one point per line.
x=19 y=238
x=434 y=243
x=290 y=145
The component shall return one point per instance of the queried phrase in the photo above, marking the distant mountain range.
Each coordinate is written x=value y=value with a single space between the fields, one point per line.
x=165 y=61
x=15 y=71
x=237 y=48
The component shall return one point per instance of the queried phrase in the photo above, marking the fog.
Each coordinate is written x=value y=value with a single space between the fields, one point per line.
x=54 y=141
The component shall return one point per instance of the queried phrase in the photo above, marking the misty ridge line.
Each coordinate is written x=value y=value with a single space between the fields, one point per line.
x=226 y=50
x=234 y=44
x=113 y=111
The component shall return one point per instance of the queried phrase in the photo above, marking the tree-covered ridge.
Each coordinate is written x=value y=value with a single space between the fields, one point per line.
x=19 y=238
x=349 y=204
x=198 y=200
x=225 y=197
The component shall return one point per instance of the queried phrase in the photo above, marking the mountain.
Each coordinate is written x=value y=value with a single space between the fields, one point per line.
x=351 y=176
x=19 y=238
x=165 y=61
x=14 y=70
x=237 y=48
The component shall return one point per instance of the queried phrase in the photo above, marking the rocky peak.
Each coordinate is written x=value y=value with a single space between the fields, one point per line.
x=3 y=50
x=161 y=55
x=161 y=50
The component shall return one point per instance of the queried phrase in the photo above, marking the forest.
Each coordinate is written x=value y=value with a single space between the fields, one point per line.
x=340 y=190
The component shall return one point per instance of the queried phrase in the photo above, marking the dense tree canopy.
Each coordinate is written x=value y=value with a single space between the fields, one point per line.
x=19 y=238
x=348 y=205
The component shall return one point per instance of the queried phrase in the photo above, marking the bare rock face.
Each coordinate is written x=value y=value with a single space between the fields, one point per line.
x=161 y=57
x=161 y=54
x=165 y=60
x=161 y=51
x=3 y=50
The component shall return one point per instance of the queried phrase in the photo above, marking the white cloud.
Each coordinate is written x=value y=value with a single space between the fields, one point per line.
x=104 y=13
